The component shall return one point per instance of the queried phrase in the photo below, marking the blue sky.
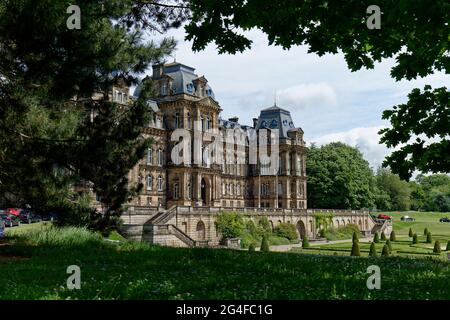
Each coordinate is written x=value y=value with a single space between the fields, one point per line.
x=329 y=102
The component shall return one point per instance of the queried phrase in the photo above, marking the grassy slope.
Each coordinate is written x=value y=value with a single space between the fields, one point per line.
x=138 y=271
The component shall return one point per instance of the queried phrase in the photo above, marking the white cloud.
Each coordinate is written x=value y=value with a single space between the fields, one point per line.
x=365 y=138
x=308 y=95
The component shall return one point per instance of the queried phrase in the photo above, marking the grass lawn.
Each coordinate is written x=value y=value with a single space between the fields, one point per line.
x=35 y=263
x=403 y=246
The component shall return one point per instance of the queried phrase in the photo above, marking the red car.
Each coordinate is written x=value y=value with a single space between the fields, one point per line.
x=384 y=217
x=13 y=211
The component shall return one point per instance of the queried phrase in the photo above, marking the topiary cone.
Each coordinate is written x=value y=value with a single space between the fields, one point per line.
x=415 y=239
x=425 y=231
x=437 y=247
x=265 y=245
x=448 y=246
x=355 y=249
x=410 y=233
x=383 y=236
x=305 y=242
x=251 y=247
x=388 y=242
x=392 y=237
x=373 y=250
x=429 y=238
x=385 y=251
x=355 y=236
x=376 y=239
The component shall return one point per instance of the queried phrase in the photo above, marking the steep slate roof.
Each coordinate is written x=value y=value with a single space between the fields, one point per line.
x=276 y=118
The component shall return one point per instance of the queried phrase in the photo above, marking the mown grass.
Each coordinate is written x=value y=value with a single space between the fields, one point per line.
x=140 y=271
x=403 y=246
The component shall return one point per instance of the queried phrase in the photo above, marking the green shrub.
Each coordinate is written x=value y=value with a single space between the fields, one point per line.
x=355 y=249
x=62 y=237
x=376 y=239
x=448 y=246
x=251 y=247
x=355 y=237
x=264 y=224
x=437 y=247
x=429 y=238
x=425 y=231
x=265 y=244
x=253 y=229
x=341 y=233
x=383 y=236
x=230 y=225
x=385 y=251
x=388 y=242
x=392 y=237
x=410 y=233
x=373 y=250
x=305 y=242
x=415 y=239
x=286 y=230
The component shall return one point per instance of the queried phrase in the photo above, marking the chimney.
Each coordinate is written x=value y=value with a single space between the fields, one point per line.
x=157 y=70
x=255 y=122
x=234 y=119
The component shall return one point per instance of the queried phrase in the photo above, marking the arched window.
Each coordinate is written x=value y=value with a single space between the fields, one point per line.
x=149 y=156
x=160 y=183
x=201 y=230
x=160 y=157
x=149 y=182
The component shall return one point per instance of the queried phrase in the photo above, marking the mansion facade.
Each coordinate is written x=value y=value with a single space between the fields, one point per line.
x=186 y=101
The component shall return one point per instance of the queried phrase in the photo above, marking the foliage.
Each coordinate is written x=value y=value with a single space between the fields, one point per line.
x=388 y=243
x=426 y=115
x=355 y=249
x=339 y=178
x=383 y=236
x=373 y=250
x=437 y=247
x=251 y=247
x=385 y=251
x=429 y=238
x=425 y=231
x=376 y=238
x=230 y=224
x=415 y=239
x=305 y=242
x=264 y=244
x=286 y=230
x=410 y=233
x=393 y=193
x=344 y=232
x=54 y=135
x=265 y=225
x=392 y=236
x=448 y=246
x=355 y=236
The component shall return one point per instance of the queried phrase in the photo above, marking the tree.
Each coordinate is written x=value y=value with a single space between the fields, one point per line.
x=339 y=177
x=355 y=236
x=54 y=133
x=405 y=30
x=388 y=243
x=355 y=249
x=385 y=251
x=373 y=250
x=393 y=193
x=410 y=233
x=251 y=247
x=415 y=239
x=265 y=244
x=425 y=231
x=429 y=238
x=383 y=236
x=392 y=237
x=448 y=246
x=426 y=113
x=305 y=242
x=286 y=230
x=376 y=239
x=437 y=247
x=230 y=225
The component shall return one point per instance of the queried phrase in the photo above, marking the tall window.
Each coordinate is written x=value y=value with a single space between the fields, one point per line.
x=238 y=189
x=149 y=183
x=177 y=120
x=202 y=121
x=160 y=157
x=160 y=183
x=164 y=89
x=189 y=120
x=224 y=190
x=280 y=188
x=176 y=191
x=189 y=190
x=149 y=156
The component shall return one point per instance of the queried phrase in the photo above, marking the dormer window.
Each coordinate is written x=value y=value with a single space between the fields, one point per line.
x=190 y=88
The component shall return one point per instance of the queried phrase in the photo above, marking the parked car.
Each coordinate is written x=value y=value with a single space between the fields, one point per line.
x=2 y=229
x=445 y=219
x=407 y=218
x=384 y=217
x=27 y=216
x=10 y=220
x=14 y=211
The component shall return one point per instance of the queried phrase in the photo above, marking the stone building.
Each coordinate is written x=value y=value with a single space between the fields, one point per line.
x=186 y=101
